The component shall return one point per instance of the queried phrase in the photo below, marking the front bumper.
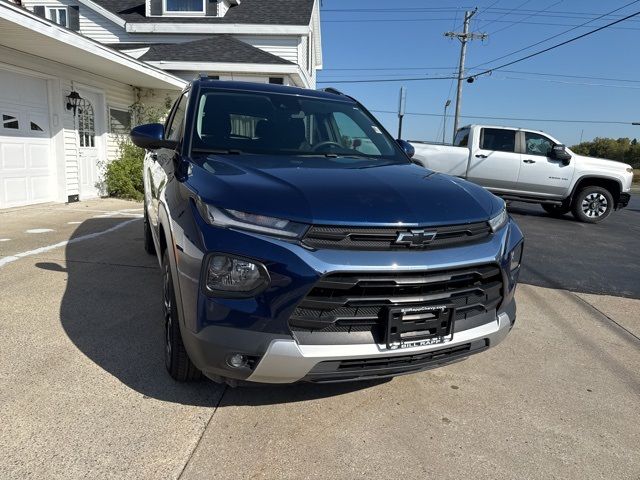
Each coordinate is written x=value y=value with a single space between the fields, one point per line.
x=623 y=201
x=285 y=361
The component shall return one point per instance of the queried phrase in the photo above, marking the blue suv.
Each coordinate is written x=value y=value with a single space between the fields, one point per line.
x=298 y=242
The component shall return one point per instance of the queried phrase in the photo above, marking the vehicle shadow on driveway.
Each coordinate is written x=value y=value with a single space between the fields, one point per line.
x=111 y=311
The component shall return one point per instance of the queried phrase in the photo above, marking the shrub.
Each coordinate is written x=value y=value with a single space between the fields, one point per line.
x=123 y=176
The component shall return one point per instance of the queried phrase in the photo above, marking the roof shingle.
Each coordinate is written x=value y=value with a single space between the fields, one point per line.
x=216 y=48
x=257 y=12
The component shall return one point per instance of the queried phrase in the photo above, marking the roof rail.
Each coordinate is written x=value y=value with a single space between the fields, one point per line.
x=335 y=91
x=206 y=76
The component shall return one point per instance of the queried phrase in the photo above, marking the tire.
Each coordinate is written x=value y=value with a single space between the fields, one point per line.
x=592 y=204
x=176 y=358
x=149 y=246
x=556 y=210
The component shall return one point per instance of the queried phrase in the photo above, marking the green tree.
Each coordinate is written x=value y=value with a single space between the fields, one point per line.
x=622 y=149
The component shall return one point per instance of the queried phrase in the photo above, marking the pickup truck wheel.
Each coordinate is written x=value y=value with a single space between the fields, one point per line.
x=556 y=210
x=176 y=358
x=149 y=246
x=592 y=204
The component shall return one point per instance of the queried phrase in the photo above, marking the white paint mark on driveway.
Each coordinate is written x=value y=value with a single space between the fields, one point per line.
x=12 y=258
x=73 y=223
x=4 y=239
x=39 y=230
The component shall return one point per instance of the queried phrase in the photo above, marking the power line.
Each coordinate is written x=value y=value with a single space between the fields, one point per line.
x=484 y=117
x=557 y=35
x=505 y=14
x=553 y=47
x=524 y=18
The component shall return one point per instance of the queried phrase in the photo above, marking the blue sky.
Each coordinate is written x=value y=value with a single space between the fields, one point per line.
x=397 y=46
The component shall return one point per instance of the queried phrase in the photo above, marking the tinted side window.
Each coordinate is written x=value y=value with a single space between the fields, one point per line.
x=537 y=144
x=462 y=138
x=174 y=128
x=498 y=140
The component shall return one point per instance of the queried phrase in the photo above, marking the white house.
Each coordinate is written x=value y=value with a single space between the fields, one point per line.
x=106 y=55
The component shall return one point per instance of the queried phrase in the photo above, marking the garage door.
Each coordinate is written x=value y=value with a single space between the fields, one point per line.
x=26 y=166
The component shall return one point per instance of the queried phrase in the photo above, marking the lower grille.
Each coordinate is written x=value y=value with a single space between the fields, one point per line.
x=369 y=368
x=384 y=238
x=352 y=303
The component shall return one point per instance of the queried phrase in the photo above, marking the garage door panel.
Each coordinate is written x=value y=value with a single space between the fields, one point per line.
x=39 y=156
x=13 y=155
x=15 y=191
x=40 y=188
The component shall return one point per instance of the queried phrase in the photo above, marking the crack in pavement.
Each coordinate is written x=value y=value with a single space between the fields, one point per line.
x=204 y=430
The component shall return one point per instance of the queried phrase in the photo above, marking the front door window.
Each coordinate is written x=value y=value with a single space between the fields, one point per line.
x=86 y=124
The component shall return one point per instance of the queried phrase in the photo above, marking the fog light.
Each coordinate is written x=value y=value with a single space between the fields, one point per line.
x=238 y=360
x=233 y=276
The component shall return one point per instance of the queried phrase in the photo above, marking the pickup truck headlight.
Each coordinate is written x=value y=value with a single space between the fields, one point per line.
x=497 y=222
x=248 y=221
x=228 y=275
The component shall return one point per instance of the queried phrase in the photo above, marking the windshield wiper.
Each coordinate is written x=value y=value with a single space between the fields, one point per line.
x=218 y=151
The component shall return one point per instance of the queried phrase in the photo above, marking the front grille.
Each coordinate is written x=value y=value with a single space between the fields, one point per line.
x=376 y=367
x=353 y=303
x=384 y=238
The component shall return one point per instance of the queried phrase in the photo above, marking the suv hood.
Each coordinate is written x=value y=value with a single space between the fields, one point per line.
x=333 y=195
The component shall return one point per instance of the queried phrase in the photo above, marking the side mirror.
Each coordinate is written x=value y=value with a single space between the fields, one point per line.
x=151 y=136
x=559 y=152
x=406 y=147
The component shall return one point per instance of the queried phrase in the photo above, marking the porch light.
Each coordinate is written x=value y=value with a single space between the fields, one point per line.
x=73 y=99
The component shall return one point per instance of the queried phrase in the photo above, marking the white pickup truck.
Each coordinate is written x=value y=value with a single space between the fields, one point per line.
x=531 y=166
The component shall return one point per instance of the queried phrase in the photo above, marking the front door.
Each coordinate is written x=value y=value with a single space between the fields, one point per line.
x=539 y=173
x=89 y=142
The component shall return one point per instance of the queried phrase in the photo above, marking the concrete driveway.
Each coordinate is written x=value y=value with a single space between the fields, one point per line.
x=84 y=394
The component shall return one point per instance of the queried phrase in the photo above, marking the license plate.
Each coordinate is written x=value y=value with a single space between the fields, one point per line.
x=415 y=326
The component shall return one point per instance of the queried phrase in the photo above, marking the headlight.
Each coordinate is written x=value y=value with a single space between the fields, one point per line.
x=515 y=257
x=249 y=221
x=497 y=222
x=629 y=170
x=234 y=276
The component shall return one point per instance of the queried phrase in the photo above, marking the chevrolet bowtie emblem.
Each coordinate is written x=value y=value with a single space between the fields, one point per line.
x=415 y=238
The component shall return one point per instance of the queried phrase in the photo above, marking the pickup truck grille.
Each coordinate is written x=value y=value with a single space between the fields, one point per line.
x=384 y=238
x=357 y=302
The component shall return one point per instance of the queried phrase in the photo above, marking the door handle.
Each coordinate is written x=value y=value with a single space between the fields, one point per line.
x=529 y=161
x=481 y=155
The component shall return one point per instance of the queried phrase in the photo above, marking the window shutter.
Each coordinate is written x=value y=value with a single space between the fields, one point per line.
x=212 y=8
x=156 y=7
x=74 y=18
x=39 y=10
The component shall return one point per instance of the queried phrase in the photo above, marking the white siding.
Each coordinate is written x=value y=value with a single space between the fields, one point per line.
x=283 y=46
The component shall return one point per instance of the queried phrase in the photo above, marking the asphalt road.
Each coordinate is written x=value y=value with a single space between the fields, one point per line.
x=84 y=393
x=563 y=253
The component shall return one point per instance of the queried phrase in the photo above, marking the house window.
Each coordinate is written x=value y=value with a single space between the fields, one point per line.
x=86 y=124
x=119 y=121
x=58 y=15
x=36 y=128
x=9 y=121
x=184 y=6
x=276 y=80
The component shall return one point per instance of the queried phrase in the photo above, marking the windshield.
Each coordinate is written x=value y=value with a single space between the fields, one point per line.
x=281 y=124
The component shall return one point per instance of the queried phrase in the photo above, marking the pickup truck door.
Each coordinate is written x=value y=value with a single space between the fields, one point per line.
x=494 y=162
x=539 y=173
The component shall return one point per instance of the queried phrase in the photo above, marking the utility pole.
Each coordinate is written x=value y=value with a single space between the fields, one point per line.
x=464 y=37
x=401 y=107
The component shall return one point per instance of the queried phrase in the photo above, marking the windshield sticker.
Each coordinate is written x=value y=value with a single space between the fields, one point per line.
x=375 y=129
